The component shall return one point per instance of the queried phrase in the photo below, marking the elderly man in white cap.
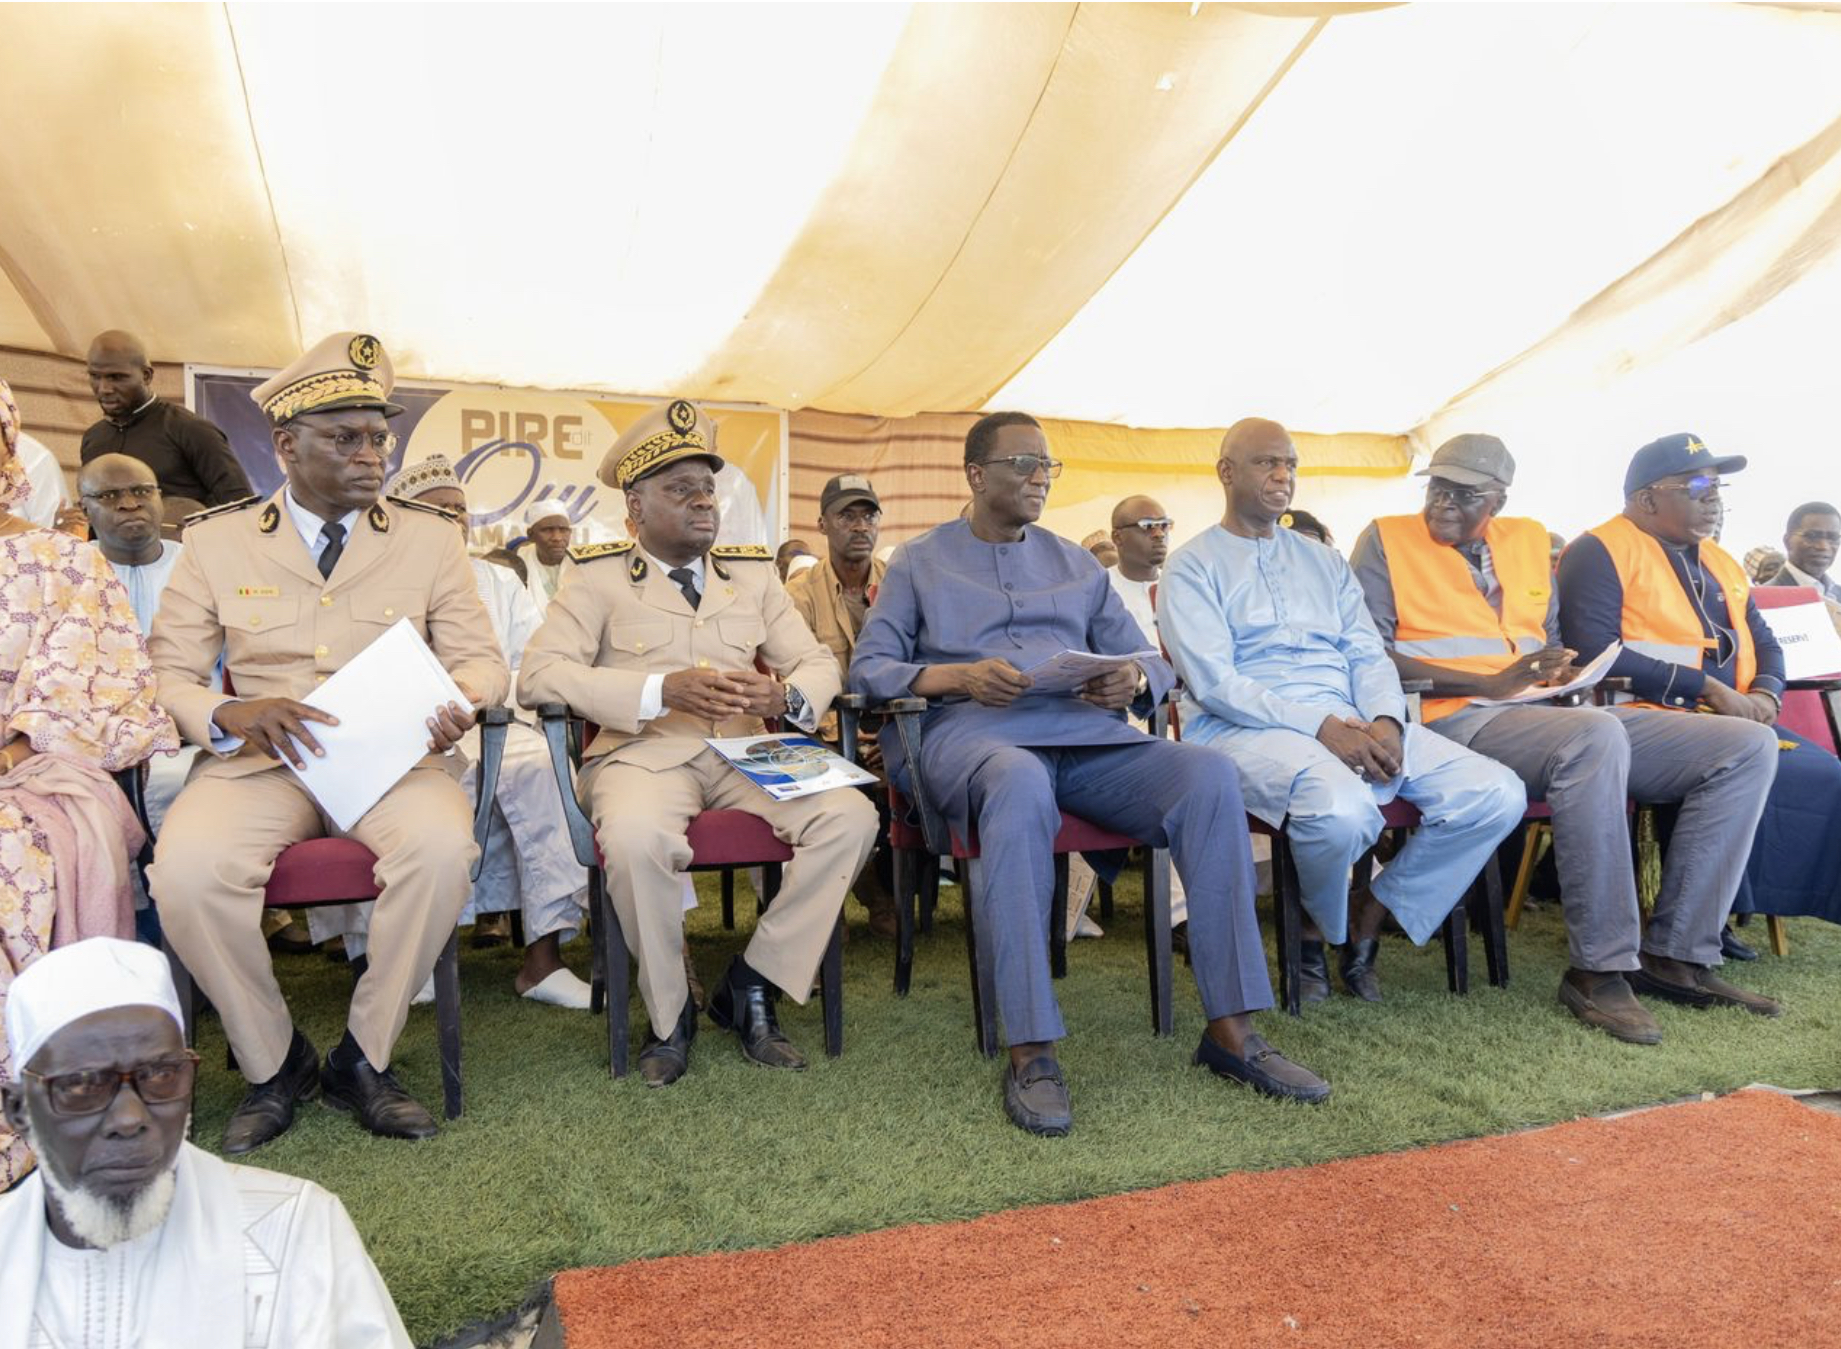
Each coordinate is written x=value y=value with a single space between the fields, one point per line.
x=546 y=554
x=529 y=863
x=175 y=1246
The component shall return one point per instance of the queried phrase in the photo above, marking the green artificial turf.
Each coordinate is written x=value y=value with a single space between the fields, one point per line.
x=555 y=1165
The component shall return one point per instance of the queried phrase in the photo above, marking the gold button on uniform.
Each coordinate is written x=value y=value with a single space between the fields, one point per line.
x=639 y=646
x=325 y=601
x=321 y=652
x=697 y=623
x=319 y=679
x=256 y=622
x=389 y=613
x=703 y=665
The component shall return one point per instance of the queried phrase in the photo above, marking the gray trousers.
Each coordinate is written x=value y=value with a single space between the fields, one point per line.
x=1584 y=762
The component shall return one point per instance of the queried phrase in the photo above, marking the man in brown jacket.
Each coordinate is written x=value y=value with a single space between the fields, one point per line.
x=290 y=590
x=656 y=641
x=834 y=598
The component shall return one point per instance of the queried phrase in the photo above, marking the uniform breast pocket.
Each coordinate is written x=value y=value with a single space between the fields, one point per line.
x=260 y=631
x=637 y=639
x=742 y=634
x=384 y=607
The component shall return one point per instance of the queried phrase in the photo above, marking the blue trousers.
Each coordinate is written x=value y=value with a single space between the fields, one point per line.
x=1159 y=792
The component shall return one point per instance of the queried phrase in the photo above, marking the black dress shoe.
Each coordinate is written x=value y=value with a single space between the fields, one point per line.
x=747 y=1009
x=377 y=1099
x=1313 y=972
x=268 y=1110
x=1357 y=969
x=1264 y=1069
x=662 y=1062
x=1036 y=1098
x=1731 y=948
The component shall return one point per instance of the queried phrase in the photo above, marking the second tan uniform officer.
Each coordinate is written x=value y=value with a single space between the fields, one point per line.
x=289 y=591
x=656 y=642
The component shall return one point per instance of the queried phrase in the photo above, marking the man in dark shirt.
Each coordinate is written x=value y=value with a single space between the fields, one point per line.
x=190 y=457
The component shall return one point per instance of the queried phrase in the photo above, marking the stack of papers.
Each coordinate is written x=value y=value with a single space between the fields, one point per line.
x=1069 y=671
x=1540 y=693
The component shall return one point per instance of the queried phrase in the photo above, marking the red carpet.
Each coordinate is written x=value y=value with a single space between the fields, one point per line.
x=1711 y=1224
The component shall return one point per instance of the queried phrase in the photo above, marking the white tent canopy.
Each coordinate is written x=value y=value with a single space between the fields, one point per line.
x=1578 y=226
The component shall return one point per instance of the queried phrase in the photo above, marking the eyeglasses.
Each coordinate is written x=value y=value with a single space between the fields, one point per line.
x=1155 y=524
x=1697 y=488
x=347 y=442
x=1027 y=465
x=114 y=496
x=1461 y=497
x=90 y=1093
x=1818 y=536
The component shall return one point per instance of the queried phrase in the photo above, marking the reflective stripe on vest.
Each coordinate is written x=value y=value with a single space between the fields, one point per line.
x=1659 y=619
x=1444 y=620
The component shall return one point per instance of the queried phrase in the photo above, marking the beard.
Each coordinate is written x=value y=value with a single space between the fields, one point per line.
x=102 y=1221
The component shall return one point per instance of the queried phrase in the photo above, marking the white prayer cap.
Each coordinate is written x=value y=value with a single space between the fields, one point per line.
x=73 y=981
x=539 y=511
x=799 y=564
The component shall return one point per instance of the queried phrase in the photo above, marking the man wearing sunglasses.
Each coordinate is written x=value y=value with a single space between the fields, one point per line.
x=1693 y=640
x=124 y=1215
x=286 y=592
x=1463 y=596
x=964 y=611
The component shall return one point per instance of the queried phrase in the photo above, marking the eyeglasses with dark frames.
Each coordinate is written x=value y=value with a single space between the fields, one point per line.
x=1026 y=465
x=88 y=1093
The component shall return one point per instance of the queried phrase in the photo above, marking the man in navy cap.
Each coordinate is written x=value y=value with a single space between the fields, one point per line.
x=1653 y=579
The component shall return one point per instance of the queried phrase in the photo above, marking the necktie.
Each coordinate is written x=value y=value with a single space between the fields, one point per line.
x=687 y=582
x=334 y=534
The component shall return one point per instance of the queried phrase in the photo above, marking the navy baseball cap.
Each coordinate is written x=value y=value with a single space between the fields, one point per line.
x=1679 y=453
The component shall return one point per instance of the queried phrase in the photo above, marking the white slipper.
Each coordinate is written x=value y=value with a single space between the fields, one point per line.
x=425 y=994
x=560 y=988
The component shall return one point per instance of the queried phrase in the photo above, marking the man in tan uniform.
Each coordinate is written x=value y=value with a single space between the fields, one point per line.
x=834 y=598
x=655 y=640
x=289 y=590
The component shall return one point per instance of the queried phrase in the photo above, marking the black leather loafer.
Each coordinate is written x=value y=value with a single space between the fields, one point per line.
x=1357 y=969
x=1265 y=1070
x=1313 y=972
x=747 y=1009
x=377 y=1099
x=267 y=1111
x=662 y=1062
x=1036 y=1098
x=1731 y=948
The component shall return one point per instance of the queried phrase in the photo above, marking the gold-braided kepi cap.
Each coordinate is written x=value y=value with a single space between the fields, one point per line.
x=662 y=436
x=346 y=370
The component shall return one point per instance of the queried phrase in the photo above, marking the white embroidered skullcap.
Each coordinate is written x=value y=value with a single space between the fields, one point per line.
x=539 y=511
x=73 y=981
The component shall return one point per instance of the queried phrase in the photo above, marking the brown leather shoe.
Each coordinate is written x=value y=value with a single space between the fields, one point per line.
x=1604 y=1000
x=1696 y=986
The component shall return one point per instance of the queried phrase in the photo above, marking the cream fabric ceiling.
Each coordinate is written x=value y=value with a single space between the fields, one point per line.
x=1353 y=218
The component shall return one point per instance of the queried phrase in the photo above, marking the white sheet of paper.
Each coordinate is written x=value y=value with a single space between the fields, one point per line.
x=1067 y=671
x=1590 y=675
x=383 y=698
x=1811 y=647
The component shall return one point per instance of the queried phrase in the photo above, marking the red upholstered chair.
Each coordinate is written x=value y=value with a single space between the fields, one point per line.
x=917 y=831
x=719 y=840
x=322 y=871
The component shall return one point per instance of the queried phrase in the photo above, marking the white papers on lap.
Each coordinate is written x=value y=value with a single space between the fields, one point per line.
x=383 y=698
x=787 y=766
x=1807 y=635
x=1540 y=693
x=1070 y=670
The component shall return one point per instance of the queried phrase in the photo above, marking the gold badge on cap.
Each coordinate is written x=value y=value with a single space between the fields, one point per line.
x=681 y=415
x=364 y=350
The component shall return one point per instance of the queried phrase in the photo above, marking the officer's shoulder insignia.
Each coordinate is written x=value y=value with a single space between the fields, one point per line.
x=590 y=552
x=742 y=552
x=363 y=351
x=410 y=505
x=228 y=508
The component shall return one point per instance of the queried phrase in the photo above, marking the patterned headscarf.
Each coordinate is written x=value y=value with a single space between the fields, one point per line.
x=15 y=486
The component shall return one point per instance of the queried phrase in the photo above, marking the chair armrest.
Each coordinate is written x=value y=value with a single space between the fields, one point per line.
x=906 y=714
x=1812 y=685
x=849 y=708
x=561 y=735
x=1415 y=690
x=494 y=723
x=133 y=783
x=1608 y=690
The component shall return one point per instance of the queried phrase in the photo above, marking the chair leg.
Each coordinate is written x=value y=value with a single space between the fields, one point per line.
x=614 y=961
x=1157 y=939
x=906 y=893
x=1779 y=934
x=447 y=1022
x=1486 y=914
x=728 y=898
x=1057 y=921
x=1456 y=932
x=770 y=887
x=1533 y=845
x=929 y=890
x=984 y=982
x=1105 y=901
x=597 y=976
x=183 y=986
x=1288 y=919
x=831 y=990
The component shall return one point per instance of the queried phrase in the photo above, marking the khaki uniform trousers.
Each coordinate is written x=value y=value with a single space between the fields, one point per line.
x=640 y=816
x=214 y=856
